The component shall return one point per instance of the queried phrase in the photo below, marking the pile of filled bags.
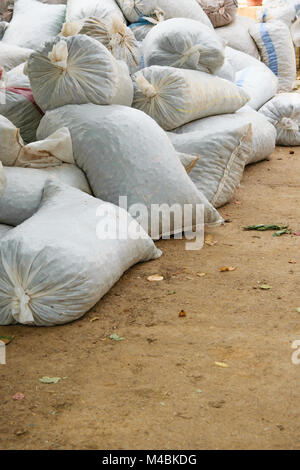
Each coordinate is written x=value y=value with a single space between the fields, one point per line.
x=163 y=102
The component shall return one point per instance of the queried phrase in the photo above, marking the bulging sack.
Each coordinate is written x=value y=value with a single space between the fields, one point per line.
x=102 y=9
x=18 y=105
x=259 y=82
x=113 y=34
x=286 y=14
x=77 y=70
x=11 y=56
x=33 y=23
x=183 y=43
x=263 y=133
x=223 y=155
x=220 y=12
x=277 y=51
x=173 y=97
x=237 y=36
x=24 y=189
x=139 y=10
x=139 y=163
x=283 y=112
x=58 y=264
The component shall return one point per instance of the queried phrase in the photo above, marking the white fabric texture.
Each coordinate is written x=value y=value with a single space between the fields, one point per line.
x=4 y=229
x=33 y=23
x=295 y=32
x=283 y=112
x=78 y=70
x=183 y=43
x=78 y=9
x=226 y=71
x=3 y=180
x=138 y=162
x=237 y=36
x=11 y=142
x=11 y=56
x=173 y=97
x=24 y=189
x=220 y=12
x=263 y=133
x=113 y=34
x=259 y=82
x=223 y=155
x=277 y=51
x=54 y=267
x=286 y=14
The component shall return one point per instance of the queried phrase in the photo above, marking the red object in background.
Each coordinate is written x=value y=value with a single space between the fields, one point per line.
x=254 y=3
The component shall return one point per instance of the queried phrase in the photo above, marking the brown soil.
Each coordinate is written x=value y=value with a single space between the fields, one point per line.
x=160 y=387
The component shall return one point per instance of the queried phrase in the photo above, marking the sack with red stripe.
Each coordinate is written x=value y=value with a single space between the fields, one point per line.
x=17 y=104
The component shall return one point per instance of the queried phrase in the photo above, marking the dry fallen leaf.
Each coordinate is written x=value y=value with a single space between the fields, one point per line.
x=155 y=278
x=182 y=314
x=227 y=268
x=221 y=364
x=201 y=274
x=292 y=261
x=6 y=339
x=94 y=319
x=18 y=396
x=209 y=240
x=265 y=287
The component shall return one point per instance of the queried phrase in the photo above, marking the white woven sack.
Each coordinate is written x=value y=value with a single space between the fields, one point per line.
x=263 y=133
x=24 y=189
x=277 y=51
x=173 y=97
x=58 y=264
x=78 y=9
x=78 y=70
x=283 y=112
x=33 y=23
x=139 y=162
x=183 y=43
x=223 y=155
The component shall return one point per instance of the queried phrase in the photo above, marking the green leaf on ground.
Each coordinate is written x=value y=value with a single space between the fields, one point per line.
x=116 y=337
x=50 y=380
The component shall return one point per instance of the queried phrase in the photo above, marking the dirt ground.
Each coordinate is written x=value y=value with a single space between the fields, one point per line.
x=160 y=388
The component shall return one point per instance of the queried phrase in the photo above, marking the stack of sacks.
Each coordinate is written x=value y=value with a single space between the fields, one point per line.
x=283 y=112
x=56 y=265
x=144 y=167
x=253 y=76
